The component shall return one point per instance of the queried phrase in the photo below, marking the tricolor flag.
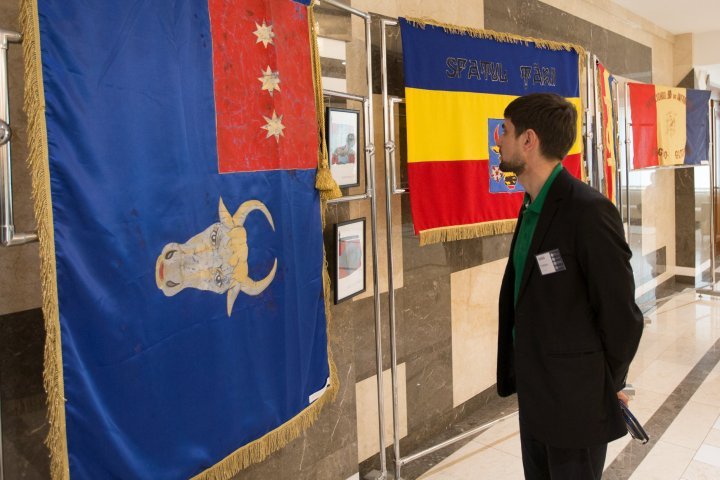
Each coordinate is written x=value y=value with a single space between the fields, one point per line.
x=458 y=82
x=608 y=122
x=669 y=125
x=175 y=150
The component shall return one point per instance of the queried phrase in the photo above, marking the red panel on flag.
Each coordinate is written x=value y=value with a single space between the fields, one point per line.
x=266 y=109
x=469 y=201
x=644 y=125
x=470 y=181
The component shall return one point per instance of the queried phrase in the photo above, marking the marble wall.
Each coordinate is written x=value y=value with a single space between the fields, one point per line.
x=445 y=294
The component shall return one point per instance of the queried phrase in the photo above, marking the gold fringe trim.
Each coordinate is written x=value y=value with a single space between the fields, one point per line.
x=465 y=232
x=39 y=169
x=497 y=36
x=258 y=450
x=324 y=182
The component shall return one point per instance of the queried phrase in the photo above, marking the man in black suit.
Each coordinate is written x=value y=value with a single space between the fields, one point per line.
x=569 y=324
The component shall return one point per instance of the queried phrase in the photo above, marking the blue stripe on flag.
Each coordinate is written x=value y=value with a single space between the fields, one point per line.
x=464 y=63
x=697 y=127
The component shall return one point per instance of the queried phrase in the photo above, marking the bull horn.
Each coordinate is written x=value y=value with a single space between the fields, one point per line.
x=251 y=287
x=231 y=296
x=246 y=208
x=224 y=215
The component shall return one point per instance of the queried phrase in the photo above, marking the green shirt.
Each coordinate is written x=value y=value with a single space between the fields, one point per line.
x=530 y=216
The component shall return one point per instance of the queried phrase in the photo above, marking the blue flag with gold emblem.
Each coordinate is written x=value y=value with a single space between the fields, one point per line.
x=174 y=147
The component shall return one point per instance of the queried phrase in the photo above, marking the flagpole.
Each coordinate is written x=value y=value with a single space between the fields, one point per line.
x=384 y=23
x=599 y=138
x=628 y=141
x=616 y=124
x=588 y=124
x=713 y=172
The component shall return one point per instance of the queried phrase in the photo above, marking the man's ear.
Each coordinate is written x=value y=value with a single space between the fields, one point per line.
x=531 y=139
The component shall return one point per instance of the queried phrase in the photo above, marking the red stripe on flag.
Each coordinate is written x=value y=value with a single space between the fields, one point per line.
x=644 y=125
x=461 y=193
x=242 y=106
x=573 y=164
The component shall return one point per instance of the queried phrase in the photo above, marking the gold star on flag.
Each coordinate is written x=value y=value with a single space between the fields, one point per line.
x=270 y=80
x=274 y=126
x=264 y=34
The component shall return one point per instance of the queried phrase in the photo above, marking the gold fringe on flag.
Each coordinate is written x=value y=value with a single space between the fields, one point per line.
x=40 y=171
x=497 y=36
x=465 y=232
x=56 y=441
x=324 y=182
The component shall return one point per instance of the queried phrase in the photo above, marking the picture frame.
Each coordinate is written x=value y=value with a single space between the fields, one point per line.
x=350 y=263
x=343 y=133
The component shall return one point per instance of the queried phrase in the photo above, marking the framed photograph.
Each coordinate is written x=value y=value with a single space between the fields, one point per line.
x=342 y=136
x=349 y=259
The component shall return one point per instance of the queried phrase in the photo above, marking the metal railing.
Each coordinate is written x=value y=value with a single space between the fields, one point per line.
x=8 y=236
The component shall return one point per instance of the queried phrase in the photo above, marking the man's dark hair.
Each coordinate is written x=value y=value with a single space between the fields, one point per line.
x=550 y=116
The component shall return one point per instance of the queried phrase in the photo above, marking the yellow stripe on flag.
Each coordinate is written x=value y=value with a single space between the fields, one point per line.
x=671 y=120
x=447 y=126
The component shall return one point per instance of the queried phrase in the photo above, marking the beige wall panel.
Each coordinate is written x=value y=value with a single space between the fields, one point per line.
x=461 y=12
x=615 y=18
x=658 y=214
x=474 y=293
x=682 y=54
x=366 y=398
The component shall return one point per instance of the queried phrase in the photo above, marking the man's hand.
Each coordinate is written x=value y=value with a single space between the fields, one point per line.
x=623 y=398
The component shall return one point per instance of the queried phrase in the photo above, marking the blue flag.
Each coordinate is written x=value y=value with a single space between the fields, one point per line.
x=181 y=233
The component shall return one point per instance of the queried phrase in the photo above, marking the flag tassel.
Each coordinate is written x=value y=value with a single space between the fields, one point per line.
x=324 y=181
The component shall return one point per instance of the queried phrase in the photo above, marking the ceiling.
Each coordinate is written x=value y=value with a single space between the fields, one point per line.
x=687 y=16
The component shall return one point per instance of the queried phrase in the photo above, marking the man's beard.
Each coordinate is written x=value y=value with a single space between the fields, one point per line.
x=507 y=166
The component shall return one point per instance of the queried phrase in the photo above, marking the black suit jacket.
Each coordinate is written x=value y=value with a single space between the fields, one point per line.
x=576 y=330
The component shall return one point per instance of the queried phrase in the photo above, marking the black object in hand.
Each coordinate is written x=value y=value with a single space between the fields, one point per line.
x=633 y=426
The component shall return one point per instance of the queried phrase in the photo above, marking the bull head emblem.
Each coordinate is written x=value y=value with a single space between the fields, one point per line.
x=215 y=259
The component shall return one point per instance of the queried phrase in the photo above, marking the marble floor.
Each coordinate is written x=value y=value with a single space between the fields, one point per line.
x=676 y=375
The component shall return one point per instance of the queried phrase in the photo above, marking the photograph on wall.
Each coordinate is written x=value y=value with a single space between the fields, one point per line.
x=349 y=259
x=342 y=134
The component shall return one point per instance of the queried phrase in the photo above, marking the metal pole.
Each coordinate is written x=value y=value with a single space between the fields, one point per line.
x=347 y=96
x=616 y=126
x=370 y=193
x=457 y=438
x=588 y=124
x=8 y=237
x=391 y=146
x=599 y=137
x=713 y=172
x=347 y=8
x=389 y=237
x=628 y=155
x=370 y=159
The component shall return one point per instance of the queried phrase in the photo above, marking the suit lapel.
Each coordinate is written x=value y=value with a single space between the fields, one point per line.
x=558 y=191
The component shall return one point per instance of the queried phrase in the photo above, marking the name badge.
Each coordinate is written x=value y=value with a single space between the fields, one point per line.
x=550 y=262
